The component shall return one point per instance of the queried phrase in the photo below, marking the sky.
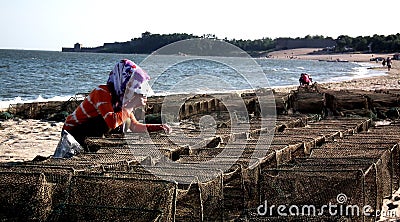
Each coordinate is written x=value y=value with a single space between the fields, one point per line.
x=53 y=24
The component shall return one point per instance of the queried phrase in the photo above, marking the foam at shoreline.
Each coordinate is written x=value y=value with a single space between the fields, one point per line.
x=18 y=100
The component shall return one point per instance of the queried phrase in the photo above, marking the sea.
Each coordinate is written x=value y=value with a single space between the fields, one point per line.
x=30 y=76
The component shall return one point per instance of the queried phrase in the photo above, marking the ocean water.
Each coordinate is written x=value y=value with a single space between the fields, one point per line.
x=27 y=76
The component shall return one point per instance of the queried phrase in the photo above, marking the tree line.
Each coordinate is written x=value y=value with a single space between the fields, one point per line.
x=149 y=42
x=375 y=43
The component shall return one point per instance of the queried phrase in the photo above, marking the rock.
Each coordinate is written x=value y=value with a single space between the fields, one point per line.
x=59 y=117
x=393 y=113
x=214 y=142
x=40 y=158
x=6 y=115
x=392 y=206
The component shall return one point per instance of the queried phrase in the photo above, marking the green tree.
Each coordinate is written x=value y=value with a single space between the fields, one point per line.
x=342 y=42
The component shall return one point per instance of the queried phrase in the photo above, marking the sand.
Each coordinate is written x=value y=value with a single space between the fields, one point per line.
x=304 y=54
x=23 y=140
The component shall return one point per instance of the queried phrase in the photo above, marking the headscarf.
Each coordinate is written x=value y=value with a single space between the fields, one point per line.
x=120 y=76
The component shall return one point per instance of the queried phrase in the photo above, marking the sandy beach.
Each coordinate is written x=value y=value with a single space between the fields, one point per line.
x=391 y=80
x=22 y=140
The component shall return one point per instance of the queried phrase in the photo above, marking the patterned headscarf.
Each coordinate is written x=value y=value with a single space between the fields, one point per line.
x=120 y=76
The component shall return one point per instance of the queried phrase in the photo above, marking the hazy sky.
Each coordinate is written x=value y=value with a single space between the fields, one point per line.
x=52 y=24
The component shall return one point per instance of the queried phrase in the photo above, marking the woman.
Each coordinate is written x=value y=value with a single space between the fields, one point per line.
x=105 y=108
x=305 y=79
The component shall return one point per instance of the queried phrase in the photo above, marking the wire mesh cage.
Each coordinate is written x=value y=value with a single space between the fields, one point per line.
x=118 y=198
x=317 y=185
x=25 y=196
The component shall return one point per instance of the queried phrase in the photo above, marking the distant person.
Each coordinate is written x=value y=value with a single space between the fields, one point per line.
x=384 y=62
x=389 y=63
x=305 y=79
x=104 y=109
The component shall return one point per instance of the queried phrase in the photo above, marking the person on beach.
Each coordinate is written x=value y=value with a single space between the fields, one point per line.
x=305 y=79
x=106 y=109
x=389 y=63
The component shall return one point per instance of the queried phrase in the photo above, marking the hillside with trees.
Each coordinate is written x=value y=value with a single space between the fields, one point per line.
x=375 y=43
x=149 y=42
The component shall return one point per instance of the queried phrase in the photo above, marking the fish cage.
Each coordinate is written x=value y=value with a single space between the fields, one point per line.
x=319 y=182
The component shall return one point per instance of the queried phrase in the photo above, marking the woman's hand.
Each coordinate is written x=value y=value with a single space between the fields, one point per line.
x=137 y=127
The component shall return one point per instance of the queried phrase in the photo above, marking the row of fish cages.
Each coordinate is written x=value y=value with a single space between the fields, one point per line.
x=352 y=173
x=192 y=174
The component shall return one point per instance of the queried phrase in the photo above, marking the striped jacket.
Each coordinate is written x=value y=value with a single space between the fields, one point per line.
x=98 y=102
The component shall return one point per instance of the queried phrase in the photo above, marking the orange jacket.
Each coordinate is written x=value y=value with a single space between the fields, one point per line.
x=98 y=102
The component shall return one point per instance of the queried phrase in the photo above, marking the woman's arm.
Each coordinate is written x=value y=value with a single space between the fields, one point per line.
x=138 y=127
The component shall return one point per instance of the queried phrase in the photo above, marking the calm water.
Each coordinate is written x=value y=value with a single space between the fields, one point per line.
x=49 y=75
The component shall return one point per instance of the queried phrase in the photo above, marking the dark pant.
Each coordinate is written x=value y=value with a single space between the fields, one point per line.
x=94 y=127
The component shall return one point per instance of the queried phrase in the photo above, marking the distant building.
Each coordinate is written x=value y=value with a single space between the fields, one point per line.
x=288 y=43
x=116 y=47
x=77 y=48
